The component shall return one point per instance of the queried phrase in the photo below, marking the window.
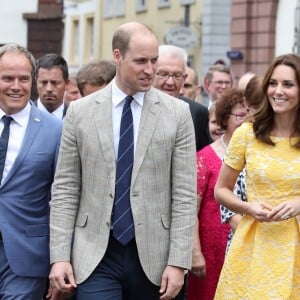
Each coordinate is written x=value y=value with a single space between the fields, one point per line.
x=119 y=8
x=140 y=5
x=164 y=3
x=187 y=2
x=90 y=38
x=75 y=48
x=108 y=8
x=113 y=8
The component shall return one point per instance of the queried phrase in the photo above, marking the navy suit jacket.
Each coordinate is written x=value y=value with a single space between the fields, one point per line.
x=25 y=196
x=199 y=114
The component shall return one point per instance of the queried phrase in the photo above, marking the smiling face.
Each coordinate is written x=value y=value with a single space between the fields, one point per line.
x=283 y=90
x=220 y=82
x=15 y=82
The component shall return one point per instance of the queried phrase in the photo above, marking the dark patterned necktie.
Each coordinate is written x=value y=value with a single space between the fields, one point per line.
x=4 y=143
x=123 y=227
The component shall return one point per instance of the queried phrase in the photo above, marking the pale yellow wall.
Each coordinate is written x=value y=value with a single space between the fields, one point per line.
x=160 y=20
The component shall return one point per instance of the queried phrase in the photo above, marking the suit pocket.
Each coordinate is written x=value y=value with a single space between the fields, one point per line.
x=165 y=219
x=37 y=230
x=81 y=219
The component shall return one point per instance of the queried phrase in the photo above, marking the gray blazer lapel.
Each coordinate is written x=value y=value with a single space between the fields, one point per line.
x=32 y=129
x=149 y=118
x=103 y=124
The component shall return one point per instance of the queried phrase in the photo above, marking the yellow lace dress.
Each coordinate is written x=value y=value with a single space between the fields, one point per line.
x=263 y=261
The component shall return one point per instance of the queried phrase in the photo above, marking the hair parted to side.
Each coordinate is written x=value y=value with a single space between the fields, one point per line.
x=264 y=118
x=96 y=73
x=226 y=103
x=17 y=49
x=218 y=68
x=52 y=60
x=123 y=34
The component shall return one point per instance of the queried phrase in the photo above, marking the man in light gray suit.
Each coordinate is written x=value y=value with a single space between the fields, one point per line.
x=86 y=251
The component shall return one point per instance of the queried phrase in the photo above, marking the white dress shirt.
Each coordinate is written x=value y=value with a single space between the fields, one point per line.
x=17 y=131
x=57 y=113
x=118 y=101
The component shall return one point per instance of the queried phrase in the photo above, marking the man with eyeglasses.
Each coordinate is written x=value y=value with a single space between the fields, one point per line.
x=217 y=79
x=170 y=77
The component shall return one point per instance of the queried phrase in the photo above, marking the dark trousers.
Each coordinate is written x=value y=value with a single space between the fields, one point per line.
x=15 y=287
x=119 y=276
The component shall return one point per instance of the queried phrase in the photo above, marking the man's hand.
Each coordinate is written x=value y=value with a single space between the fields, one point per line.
x=171 y=283
x=62 y=281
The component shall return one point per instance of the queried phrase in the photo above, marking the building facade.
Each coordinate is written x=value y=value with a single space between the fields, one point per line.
x=90 y=24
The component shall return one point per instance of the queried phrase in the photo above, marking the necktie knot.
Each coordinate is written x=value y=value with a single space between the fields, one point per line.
x=6 y=120
x=128 y=101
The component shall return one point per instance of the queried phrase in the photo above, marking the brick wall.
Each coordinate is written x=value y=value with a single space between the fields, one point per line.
x=45 y=31
x=253 y=33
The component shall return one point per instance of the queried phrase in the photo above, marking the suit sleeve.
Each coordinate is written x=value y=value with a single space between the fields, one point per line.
x=184 y=201
x=65 y=193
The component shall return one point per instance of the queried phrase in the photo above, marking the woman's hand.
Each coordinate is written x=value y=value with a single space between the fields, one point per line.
x=285 y=210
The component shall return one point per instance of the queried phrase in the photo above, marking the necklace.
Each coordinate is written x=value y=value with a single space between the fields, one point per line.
x=222 y=141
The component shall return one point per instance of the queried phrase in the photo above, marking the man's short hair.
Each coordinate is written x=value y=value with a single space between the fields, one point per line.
x=96 y=73
x=52 y=60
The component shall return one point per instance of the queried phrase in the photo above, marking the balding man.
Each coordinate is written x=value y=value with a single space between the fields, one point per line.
x=124 y=195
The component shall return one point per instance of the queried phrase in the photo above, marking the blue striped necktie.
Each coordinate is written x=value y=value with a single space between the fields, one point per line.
x=123 y=226
x=4 y=143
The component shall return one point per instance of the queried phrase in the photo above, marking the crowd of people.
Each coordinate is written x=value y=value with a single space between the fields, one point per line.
x=117 y=183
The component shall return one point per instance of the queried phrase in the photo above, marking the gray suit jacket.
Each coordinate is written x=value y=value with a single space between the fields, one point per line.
x=163 y=185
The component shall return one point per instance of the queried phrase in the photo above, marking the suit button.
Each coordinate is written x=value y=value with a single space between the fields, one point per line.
x=111 y=195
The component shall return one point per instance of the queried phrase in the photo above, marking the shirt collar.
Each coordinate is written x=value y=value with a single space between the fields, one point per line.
x=58 y=112
x=118 y=96
x=21 y=117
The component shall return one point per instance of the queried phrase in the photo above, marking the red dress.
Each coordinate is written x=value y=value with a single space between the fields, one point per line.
x=213 y=234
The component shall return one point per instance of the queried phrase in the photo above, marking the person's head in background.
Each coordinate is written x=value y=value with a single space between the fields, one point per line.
x=171 y=69
x=244 y=79
x=214 y=129
x=191 y=87
x=95 y=76
x=72 y=91
x=253 y=94
x=51 y=79
x=218 y=79
x=231 y=111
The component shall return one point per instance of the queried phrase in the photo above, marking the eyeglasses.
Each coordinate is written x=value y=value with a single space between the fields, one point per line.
x=166 y=76
x=220 y=82
x=239 y=117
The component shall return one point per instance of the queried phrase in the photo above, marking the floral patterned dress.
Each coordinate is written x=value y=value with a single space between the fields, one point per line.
x=213 y=234
x=263 y=261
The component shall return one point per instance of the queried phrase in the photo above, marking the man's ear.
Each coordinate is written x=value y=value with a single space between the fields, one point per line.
x=198 y=89
x=117 y=56
x=206 y=84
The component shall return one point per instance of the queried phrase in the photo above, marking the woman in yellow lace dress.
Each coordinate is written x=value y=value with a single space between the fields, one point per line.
x=263 y=261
